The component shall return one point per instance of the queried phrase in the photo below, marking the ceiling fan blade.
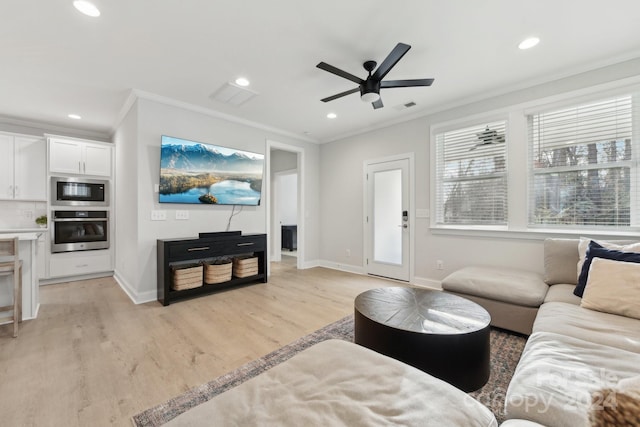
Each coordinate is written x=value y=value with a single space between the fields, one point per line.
x=406 y=83
x=377 y=104
x=340 y=95
x=392 y=59
x=339 y=72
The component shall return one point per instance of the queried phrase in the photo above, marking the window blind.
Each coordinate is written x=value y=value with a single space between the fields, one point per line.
x=471 y=175
x=583 y=168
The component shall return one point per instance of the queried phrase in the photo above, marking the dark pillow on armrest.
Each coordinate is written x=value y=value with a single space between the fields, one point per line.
x=597 y=251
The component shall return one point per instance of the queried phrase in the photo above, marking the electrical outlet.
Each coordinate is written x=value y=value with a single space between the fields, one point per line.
x=28 y=214
x=348 y=252
x=182 y=214
x=439 y=264
x=158 y=215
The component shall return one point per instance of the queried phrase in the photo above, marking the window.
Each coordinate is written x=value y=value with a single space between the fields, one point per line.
x=583 y=165
x=471 y=175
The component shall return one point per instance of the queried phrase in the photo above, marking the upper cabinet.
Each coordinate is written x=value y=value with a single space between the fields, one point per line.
x=70 y=156
x=23 y=167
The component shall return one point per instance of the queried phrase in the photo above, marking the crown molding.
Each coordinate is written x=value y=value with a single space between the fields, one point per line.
x=136 y=94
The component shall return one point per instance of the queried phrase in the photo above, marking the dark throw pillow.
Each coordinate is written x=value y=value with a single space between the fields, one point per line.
x=596 y=250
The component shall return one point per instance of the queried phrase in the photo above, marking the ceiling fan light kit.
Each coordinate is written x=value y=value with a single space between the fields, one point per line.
x=370 y=87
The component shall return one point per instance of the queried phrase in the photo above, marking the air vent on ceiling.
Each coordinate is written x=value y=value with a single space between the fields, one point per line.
x=405 y=106
x=232 y=94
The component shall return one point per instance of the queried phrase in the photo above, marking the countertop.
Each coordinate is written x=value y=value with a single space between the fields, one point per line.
x=23 y=233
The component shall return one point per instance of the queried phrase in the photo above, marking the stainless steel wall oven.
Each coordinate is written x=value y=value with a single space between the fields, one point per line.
x=79 y=231
x=73 y=191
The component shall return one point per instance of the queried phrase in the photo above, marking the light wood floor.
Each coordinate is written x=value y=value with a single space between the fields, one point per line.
x=93 y=358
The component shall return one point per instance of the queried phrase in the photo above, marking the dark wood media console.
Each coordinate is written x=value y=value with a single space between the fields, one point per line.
x=174 y=253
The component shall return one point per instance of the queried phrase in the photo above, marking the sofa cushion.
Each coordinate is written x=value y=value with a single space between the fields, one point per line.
x=560 y=259
x=338 y=383
x=520 y=423
x=501 y=284
x=613 y=287
x=597 y=251
x=562 y=293
x=602 y=328
x=556 y=375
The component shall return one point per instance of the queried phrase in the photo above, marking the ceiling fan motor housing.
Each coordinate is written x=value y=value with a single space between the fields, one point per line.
x=368 y=89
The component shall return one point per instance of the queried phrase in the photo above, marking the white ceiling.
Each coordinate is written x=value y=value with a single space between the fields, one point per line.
x=55 y=61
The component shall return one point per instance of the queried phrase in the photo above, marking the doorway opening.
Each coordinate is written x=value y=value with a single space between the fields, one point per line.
x=285 y=222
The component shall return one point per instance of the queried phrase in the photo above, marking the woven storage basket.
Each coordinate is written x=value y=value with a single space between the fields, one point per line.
x=186 y=277
x=245 y=266
x=217 y=272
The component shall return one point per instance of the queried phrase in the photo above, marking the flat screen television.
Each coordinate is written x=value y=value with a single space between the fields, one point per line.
x=205 y=174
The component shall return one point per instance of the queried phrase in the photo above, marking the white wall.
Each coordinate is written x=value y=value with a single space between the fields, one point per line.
x=341 y=174
x=137 y=180
x=125 y=205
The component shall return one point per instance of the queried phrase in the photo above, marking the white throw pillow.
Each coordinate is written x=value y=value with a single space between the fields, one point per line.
x=583 y=245
x=613 y=287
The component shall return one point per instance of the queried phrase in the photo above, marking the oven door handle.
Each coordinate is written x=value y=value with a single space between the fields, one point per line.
x=78 y=219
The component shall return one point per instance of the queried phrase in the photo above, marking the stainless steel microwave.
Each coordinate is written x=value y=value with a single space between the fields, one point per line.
x=73 y=191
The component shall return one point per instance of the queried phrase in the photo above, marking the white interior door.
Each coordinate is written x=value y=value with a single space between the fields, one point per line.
x=388 y=219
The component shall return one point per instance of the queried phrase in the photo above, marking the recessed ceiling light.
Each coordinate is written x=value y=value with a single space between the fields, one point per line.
x=241 y=81
x=74 y=116
x=528 y=43
x=87 y=8
x=332 y=116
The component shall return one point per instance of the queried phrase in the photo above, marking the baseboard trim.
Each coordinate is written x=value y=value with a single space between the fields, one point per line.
x=357 y=269
x=427 y=283
x=135 y=297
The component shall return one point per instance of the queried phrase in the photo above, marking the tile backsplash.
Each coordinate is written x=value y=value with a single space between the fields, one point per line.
x=14 y=214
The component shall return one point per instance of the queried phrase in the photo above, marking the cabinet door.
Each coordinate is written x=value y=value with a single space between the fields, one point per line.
x=30 y=168
x=97 y=160
x=6 y=166
x=65 y=156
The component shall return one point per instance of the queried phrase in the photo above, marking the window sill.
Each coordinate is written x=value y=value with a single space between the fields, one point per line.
x=532 y=233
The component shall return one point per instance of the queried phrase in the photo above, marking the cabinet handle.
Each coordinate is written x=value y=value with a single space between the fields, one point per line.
x=245 y=244
x=79 y=167
x=84 y=167
x=203 y=248
x=82 y=265
x=16 y=191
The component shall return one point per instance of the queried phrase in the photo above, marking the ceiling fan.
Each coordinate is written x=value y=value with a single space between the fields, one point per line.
x=370 y=87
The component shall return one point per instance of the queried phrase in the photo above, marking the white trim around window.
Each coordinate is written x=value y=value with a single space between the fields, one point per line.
x=519 y=171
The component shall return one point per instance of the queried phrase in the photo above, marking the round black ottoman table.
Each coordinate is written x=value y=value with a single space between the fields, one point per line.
x=444 y=335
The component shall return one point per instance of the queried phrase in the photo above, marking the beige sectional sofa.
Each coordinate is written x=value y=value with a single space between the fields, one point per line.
x=338 y=383
x=574 y=352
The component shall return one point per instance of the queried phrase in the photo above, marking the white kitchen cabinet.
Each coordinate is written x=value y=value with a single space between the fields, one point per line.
x=23 y=161
x=69 y=264
x=70 y=156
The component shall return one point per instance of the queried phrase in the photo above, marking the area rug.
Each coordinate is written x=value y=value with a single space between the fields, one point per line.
x=505 y=353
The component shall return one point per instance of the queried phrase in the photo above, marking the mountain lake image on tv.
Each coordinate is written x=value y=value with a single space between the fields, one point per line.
x=198 y=173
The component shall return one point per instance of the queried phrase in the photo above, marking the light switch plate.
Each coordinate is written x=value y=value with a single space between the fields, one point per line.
x=182 y=214
x=158 y=215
